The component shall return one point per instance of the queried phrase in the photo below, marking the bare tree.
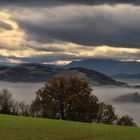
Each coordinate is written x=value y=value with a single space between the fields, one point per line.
x=24 y=109
x=6 y=101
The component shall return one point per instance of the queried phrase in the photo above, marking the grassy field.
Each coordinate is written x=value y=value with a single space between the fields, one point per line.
x=24 y=128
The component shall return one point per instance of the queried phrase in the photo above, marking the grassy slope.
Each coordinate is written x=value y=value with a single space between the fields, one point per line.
x=23 y=128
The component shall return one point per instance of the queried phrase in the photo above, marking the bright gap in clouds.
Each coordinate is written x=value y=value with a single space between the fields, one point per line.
x=12 y=37
x=16 y=46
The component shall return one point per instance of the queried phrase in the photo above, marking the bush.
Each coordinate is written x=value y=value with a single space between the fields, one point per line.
x=126 y=120
x=106 y=114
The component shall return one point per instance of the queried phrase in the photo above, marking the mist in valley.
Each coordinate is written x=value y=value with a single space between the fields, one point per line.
x=26 y=92
x=106 y=94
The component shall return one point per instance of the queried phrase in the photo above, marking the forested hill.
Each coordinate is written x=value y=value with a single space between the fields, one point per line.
x=40 y=73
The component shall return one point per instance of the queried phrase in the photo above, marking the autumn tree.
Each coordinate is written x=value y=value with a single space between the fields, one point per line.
x=106 y=114
x=81 y=105
x=126 y=121
x=66 y=98
x=72 y=99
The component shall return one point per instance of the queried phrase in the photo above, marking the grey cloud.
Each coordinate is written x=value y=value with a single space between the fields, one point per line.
x=98 y=2
x=4 y=60
x=49 y=58
x=54 y=57
x=92 y=26
x=5 y=26
x=116 y=26
x=51 y=49
x=58 y=2
x=47 y=48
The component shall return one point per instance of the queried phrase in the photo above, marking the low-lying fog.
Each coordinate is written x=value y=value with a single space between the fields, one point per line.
x=22 y=91
x=106 y=94
x=26 y=92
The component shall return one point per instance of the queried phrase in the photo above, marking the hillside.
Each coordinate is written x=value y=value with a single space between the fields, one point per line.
x=24 y=128
x=107 y=66
x=41 y=73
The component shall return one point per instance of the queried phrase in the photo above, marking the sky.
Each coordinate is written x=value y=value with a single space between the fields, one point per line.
x=61 y=31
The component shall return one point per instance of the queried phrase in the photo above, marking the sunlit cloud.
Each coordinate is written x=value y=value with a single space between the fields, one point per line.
x=67 y=52
x=14 y=37
x=49 y=35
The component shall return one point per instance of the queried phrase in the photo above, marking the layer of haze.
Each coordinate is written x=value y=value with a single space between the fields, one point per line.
x=26 y=92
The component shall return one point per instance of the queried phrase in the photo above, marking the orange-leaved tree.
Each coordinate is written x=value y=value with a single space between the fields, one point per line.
x=66 y=98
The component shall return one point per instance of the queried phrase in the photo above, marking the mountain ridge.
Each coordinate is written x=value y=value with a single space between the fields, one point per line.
x=108 y=66
x=40 y=73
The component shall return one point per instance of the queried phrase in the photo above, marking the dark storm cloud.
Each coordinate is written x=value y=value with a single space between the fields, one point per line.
x=87 y=2
x=46 y=49
x=102 y=25
x=65 y=31
x=102 y=1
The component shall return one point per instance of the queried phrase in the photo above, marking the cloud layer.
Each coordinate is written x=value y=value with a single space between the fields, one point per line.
x=86 y=2
x=60 y=33
x=116 y=26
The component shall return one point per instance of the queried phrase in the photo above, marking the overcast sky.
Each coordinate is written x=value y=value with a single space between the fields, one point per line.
x=61 y=31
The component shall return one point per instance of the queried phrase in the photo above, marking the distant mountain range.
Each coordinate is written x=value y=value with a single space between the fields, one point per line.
x=108 y=66
x=41 y=73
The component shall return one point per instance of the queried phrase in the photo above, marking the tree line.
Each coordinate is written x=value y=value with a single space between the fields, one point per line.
x=66 y=99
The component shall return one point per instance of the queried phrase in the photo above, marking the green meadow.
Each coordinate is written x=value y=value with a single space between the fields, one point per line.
x=26 y=128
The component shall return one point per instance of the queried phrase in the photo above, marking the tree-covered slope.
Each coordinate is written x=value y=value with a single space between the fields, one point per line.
x=42 y=73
